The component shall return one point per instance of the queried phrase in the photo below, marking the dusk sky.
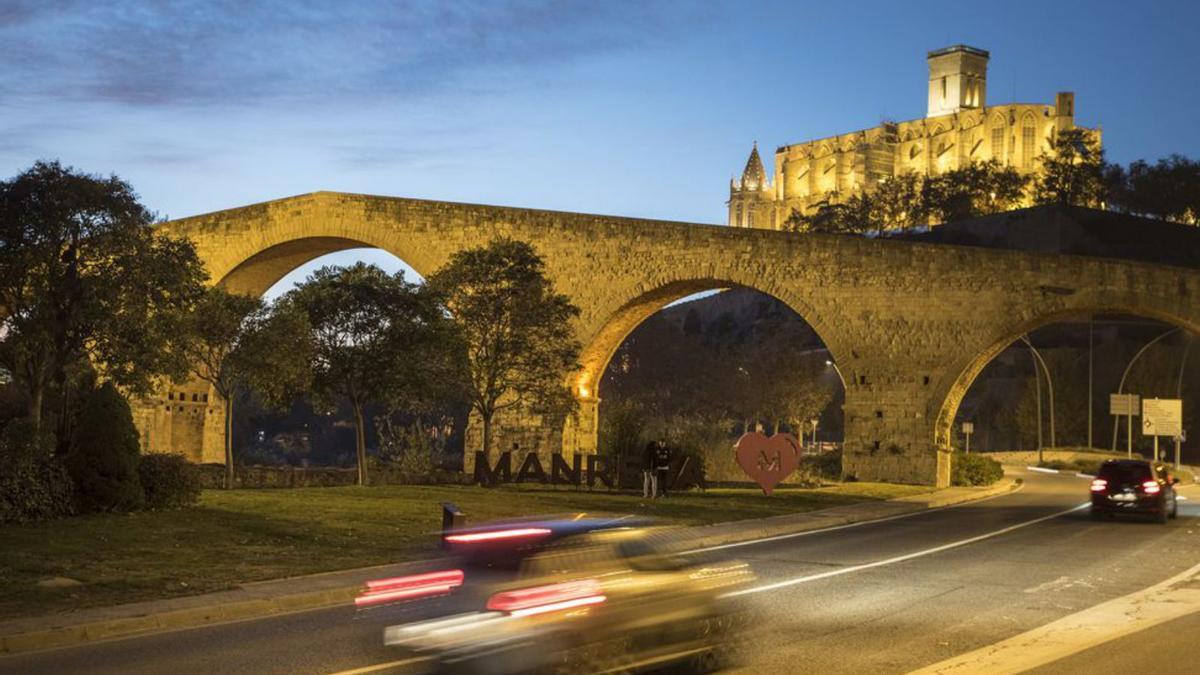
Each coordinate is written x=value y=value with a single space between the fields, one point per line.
x=642 y=108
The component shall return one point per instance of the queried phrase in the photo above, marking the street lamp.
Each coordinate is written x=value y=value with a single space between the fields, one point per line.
x=1121 y=389
x=1049 y=386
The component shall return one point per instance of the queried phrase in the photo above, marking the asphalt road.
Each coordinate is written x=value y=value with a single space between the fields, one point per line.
x=884 y=597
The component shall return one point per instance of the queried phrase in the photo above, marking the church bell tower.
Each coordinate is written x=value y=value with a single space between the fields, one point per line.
x=750 y=197
x=957 y=79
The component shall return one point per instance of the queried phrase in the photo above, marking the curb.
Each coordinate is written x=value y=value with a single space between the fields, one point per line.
x=241 y=610
x=110 y=629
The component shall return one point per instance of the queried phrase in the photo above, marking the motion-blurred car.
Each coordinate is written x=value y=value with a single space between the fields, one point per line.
x=1134 y=486
x=571 y=595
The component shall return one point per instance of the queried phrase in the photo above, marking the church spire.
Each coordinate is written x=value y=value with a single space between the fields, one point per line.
x=754 y=177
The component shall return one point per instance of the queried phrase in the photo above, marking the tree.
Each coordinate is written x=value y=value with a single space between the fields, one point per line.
x=977 y=189
x=517 y=331
x=104 y=455
x=1073 y=172
x=375 y=338
x=853 y=216
x=1167 y=190
x=86 y=282
x=911 y=200
x=898 y=204
x=235 y=341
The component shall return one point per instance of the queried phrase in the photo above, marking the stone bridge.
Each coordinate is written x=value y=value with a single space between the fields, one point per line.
x=909 y=325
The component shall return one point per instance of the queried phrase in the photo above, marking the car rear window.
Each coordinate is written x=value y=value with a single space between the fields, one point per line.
x=1126 y=473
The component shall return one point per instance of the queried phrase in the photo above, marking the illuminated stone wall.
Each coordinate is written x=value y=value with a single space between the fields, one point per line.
x=909 y=325
x=960 y=128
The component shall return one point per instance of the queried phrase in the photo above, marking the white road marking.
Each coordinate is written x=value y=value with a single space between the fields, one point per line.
x=1041 y=469
x=378 y=667
x=902 y=558
x=793 y=535
x=1072 y=634
x=1042 y=588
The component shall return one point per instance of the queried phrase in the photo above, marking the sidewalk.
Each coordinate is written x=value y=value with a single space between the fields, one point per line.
x=283 y=596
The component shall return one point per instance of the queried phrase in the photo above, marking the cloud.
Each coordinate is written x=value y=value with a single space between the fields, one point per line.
x=298 y=53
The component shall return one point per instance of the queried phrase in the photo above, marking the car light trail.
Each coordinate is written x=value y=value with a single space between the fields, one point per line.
x=476 y=537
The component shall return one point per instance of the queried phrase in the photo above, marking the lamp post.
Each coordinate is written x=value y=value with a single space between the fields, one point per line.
x=1049 y=388
x=1179 y=395
x=1121 y=388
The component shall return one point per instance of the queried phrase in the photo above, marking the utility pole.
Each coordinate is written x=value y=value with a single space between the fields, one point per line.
x=1091 y=367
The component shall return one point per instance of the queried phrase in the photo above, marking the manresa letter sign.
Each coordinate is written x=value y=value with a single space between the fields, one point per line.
x=1162 y=416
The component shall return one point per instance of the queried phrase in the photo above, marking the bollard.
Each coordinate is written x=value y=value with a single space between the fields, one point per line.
x=452 y=519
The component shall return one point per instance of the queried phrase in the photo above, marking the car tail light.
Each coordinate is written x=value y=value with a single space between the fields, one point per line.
x=1151 y=487
x=1099 y=485
x=552 y=598
x=496 y=535
x=409 y=588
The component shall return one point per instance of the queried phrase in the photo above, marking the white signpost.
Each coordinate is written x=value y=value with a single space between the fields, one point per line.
x=1125 y=404
x=1162 y=417
x=968 y=429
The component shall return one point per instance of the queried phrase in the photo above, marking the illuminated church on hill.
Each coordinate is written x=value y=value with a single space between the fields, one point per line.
x=959 y=128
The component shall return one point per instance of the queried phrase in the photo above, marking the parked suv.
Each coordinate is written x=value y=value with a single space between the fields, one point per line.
x=1134 y=486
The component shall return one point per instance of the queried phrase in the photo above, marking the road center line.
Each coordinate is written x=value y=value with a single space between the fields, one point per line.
x=872 y=521
x=902 y=558
x=378 y=667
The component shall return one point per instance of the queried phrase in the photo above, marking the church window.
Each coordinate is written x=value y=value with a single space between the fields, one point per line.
x=998 y=144
x=943 y=89
x=1027 y=140
x=738 y=219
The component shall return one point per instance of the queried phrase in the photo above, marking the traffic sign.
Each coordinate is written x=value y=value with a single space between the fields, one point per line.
x=1162 y=417
x=1123 y=404
x=968 y=427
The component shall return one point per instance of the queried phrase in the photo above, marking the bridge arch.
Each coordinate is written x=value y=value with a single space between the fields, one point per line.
x=1085 y=303
x=620 y=320
x=609 y=328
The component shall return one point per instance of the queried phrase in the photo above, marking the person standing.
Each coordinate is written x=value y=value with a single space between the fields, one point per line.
x=649 y=477
x=662 y=466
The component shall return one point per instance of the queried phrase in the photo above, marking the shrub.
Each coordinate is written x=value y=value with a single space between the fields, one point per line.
x=169 y=481
x=622 y=429
x=104 y=454
x=1057 y=465
x=407 y=448
x=33 y=484
x=827 y=465
x=975 y=470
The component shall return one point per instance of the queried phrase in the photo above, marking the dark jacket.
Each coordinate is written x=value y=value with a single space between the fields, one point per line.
x=662 y=458
x=648 y=456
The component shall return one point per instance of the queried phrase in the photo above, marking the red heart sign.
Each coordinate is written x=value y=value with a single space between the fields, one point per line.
x=767 y=460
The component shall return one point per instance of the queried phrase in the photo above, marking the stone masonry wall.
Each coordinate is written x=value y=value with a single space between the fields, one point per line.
x=909 y=325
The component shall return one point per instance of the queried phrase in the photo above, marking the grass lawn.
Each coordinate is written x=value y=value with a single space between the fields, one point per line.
x=252 y=535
